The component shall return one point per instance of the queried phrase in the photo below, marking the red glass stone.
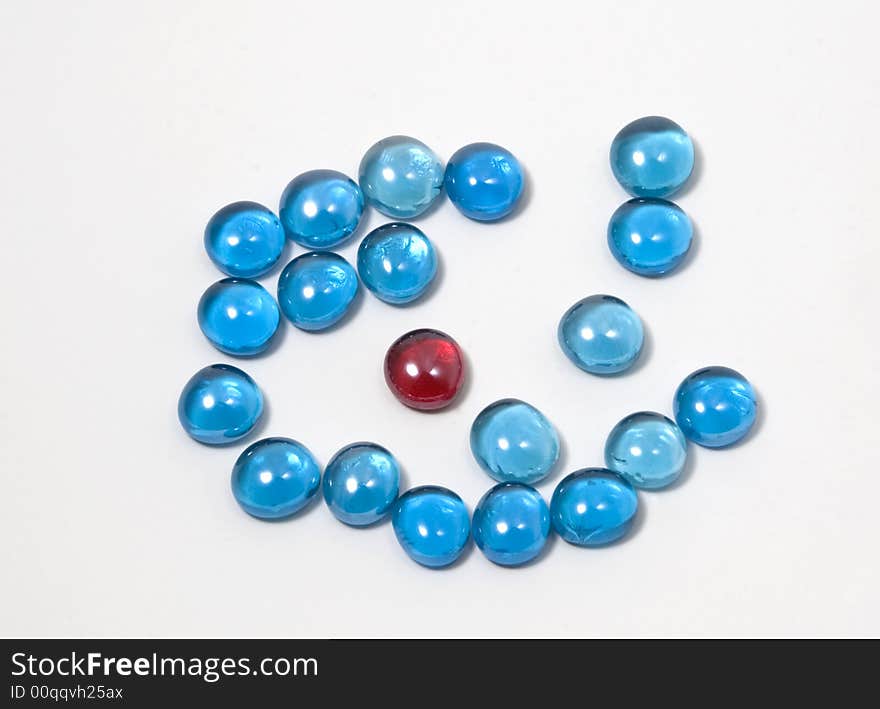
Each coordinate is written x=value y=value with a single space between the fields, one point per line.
x=424 y=369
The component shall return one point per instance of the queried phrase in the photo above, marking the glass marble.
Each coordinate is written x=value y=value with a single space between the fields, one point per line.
x=424 y=369
x=511 y=524
x=514 y=442
x=601 y=334
x=274 y=478
x=715 y=406
x=321 y=208
x=400 y=176
x=238 y=316
x=647 y=449
x=397 y=262
x=361 y=483
x=484 y=181
x=593 y=506
x=649 y=237
x=432 y=525
x=219 y=404
x=652 y=157
x=316 y=290
x=244 y=239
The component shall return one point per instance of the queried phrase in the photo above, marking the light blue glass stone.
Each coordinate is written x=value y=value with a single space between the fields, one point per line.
x=514 y=442
x=593 y=506
x=238 y=316
x=647 y=449
x=601 y=334
x=361 y=483
x=219 y=404
x=244 y=239
x=397 y=262
x=321 y=208
x=274 y=478
x=432 y=525
x=652 y=157
x=715 y=406
x=511 y=524
x=649 y=237
x=484 y=181
x=400 y=176
x=316 y=289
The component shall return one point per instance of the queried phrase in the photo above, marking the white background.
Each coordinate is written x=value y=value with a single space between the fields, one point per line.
x=126 y=125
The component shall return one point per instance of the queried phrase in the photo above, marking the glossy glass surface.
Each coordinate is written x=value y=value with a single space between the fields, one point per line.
x=274 y=478
x=484 y=181
x=432 y=525
x=397 y=262
x=238 y=316
x=601 y=334
x=593 y=506
x=649 y=237
x=511 y=524
x=321 y=208
x=514 y=442
x=647 y=449
x=244 y=239
x=652 y=157
x=400 y=176
x=316 y=290
x=361 y=483
x=424 y=369
x=715 y=406
x=219 y=404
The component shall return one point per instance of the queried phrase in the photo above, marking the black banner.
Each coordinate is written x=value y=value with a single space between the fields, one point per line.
x=134 y=673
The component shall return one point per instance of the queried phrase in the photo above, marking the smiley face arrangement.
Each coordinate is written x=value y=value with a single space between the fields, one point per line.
x=513 y=442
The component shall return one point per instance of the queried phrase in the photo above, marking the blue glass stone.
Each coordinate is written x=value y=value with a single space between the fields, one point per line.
x=244 y=239
x=715 y=406
x=647 y=449
x=514 y=442
x=649 y=237
x=400 y=176
x=238 y=316
x=321 y=208
x=397 y=262
x=361 y=483
x=511 y=524
x=316 y=289
x=274 y=478
x=601 y=334
x=593 y=506
x=219 y=404
x=484 y=181
x=652 y=157
x=432 y=525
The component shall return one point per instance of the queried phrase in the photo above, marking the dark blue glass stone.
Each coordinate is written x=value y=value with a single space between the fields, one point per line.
x=649 y=237
x=432 y=525
x=275 y=478
x=593 y=506
x=397 y=262
x=244 y=239
x=316 y=289
x=321 y=208
x=361 y=483
x=511 y=524
x=219 y=404
x=238 y=316
x=715 y=406
x=484 y=181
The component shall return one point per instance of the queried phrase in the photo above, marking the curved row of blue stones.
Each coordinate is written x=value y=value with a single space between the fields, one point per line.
x=513 y=442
